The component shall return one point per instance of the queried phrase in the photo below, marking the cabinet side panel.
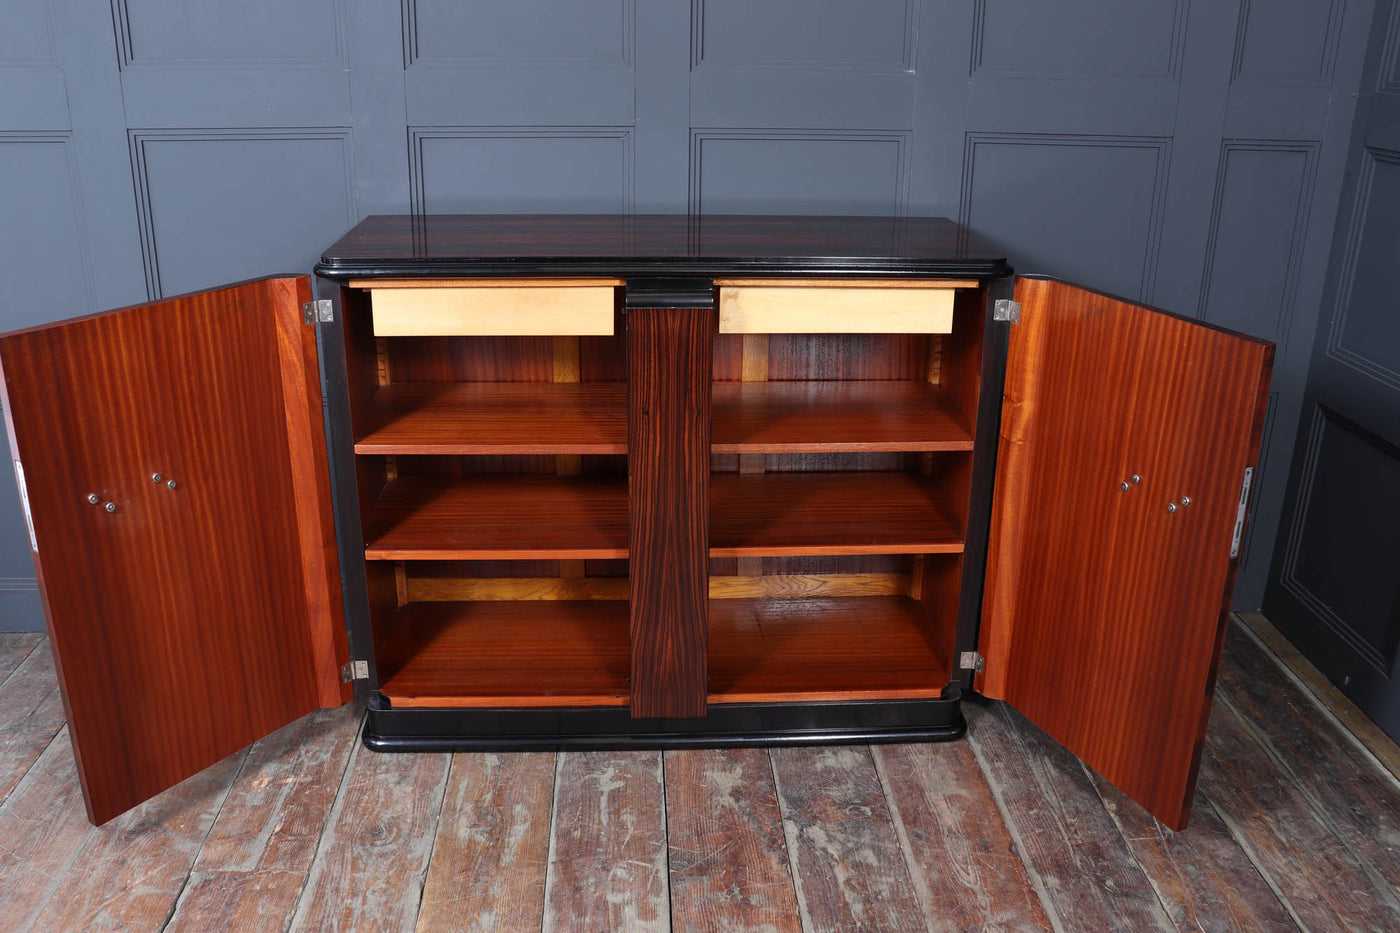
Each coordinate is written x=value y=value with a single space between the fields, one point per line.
x=668 y=428
x=1125 y=436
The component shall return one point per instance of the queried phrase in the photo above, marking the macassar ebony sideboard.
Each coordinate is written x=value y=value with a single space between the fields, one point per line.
x=585 y=481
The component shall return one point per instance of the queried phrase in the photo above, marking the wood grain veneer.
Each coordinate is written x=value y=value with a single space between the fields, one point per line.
x=558 y=653
x=668 y=467
x=830 y=513
x=496 y=418
x=186 y=623
x=834 y=648
x=833 y=416
x=497 y=517
x=1104 y=611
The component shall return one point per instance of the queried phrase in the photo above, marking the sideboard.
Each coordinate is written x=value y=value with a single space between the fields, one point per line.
x=583 y=481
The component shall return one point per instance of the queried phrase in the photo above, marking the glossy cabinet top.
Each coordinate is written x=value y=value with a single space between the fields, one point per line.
x=659 y=245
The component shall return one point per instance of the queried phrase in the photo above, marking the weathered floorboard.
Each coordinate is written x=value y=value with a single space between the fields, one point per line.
x=607 y=864
x=1293 y=825
x=1085 y=873
x=42 y=828
x=31 y=713
x=374 y=853
x=14 y=648
x=1287 y=659
x=254 y=862
x=1358 y=798
x=1202 y=876
x=1322 y=883
x=492 y=848
x=849 y=868
x=129 y=872
x=728 y=858
x=965 y=869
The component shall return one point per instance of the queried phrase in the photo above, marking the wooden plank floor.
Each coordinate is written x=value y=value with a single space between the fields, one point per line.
x=1296 y=825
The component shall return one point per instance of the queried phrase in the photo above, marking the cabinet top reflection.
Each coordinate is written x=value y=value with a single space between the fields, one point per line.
x=658 y=245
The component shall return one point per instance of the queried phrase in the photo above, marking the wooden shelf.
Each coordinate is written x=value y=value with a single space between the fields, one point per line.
x=496 y=418
x=492 y=517
x=841 y=648
x=813 y=417
x=789 y=514
x=483 y=654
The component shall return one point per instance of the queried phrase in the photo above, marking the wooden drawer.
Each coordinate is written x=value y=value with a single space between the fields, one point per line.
x=837 y=306
x=491 y=307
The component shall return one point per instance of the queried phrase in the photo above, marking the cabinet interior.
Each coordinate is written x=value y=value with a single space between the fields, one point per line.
x=492 y=474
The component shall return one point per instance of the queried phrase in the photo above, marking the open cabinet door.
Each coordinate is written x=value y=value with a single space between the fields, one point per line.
x=1126 y=437
x=173 y=462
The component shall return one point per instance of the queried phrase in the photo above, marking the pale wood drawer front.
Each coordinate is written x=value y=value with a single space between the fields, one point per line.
x=827 y=306
x=505 y=307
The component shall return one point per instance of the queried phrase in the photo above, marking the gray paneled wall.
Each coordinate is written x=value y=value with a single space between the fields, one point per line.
x=1188 y=154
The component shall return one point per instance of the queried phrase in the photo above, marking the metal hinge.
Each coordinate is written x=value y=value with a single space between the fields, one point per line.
x=355 y=670
x=971 y=661
x=1004 y=309
x=319 y=310
x=1239 y=513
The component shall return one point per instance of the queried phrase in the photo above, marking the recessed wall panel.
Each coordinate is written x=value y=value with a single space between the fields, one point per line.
x=1088 y=37
x=1088 y=210
x=545 y=171
x=1257 y=236
x=41 y=234
x=557 y=31
x=798 y=174
x=1287 y=41
x=218 y=208
x=216 y=31
x=1343 y=549
x=24 y=37
x=763 y=33
x=1371 y=339
x=1389 y=79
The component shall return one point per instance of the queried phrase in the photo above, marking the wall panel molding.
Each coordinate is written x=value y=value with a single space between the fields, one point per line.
x=83 y=259
x=1322 y=420
x=1388 y=79
x=900 y=140
x=1168 y=66
x=35 y=48
x=1350 y=356
x=905 y=62
x=1326 y=62
x=1160 y=146
x=1292 y=269
x=130 y=56
x=418 y=135
x=140 y=140
x=412 y=55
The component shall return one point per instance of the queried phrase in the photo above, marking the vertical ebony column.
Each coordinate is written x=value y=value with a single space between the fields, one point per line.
x=670 y=333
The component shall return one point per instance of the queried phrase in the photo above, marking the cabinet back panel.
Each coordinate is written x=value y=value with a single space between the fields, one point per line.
x=847 y=356
x=471 y=359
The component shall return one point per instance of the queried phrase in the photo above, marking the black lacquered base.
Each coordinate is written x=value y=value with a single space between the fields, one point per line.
x=600 y=729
